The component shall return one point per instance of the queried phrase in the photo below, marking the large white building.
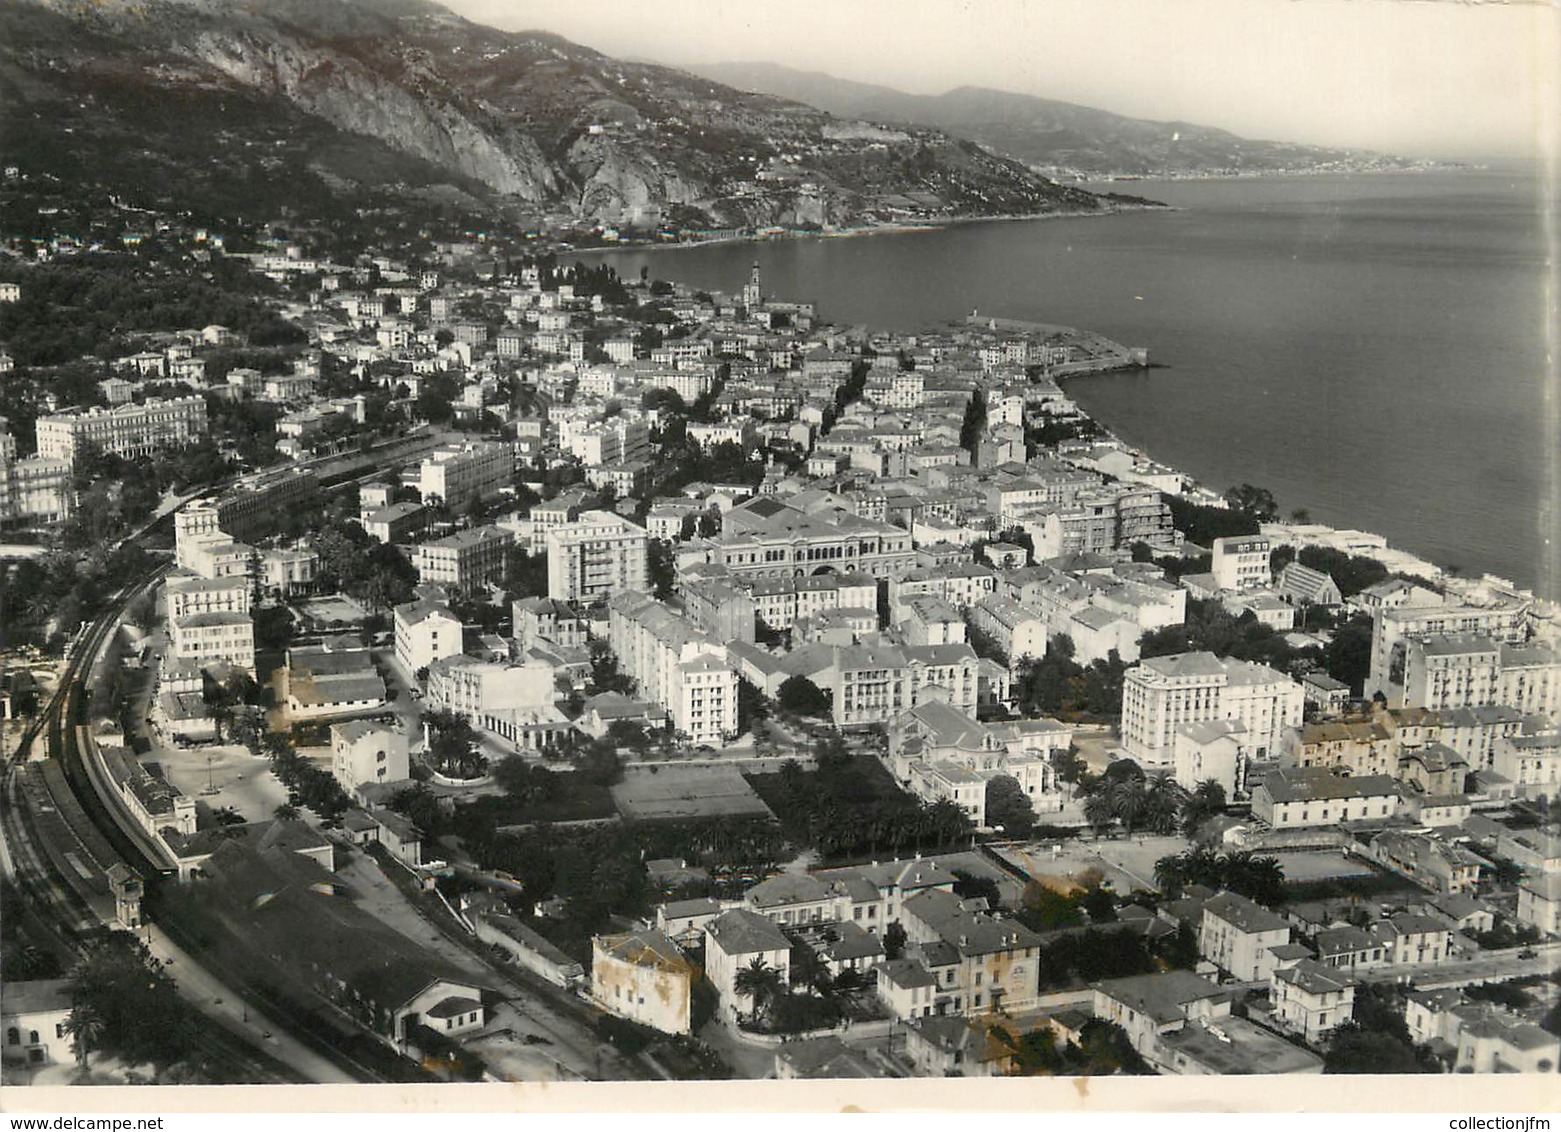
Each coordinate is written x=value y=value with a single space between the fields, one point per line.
x=1394 y=629
x=456 y=473
x=645 y=977
x=601 y=443
x=473 y=688
x=207 y=639
x=1241 y=562
x=1167 y=692
x=128 y=430
x=767 y=538
x=676 y=665
x=189 y=594
x=1467 y=670
x=363 y=751
x=598 y=554
x=426 y=631
x=35 y=488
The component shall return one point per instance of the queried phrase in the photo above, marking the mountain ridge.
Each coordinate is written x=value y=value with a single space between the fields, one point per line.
x=1057 y=137
x=373 y=101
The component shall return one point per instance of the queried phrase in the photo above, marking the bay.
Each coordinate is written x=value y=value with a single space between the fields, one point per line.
x=1370 y=348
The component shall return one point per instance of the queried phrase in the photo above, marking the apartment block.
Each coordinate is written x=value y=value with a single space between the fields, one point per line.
x=425 y=631
x=676 y=665
x=1395 y=628
x=598 y=554
x=1241 y=562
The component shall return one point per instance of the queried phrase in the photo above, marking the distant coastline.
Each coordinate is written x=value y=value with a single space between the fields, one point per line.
x=882 y=228
x=1083 y=180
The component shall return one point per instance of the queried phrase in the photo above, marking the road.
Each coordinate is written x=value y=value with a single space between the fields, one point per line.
x=1491 y=967
x=249 y=1027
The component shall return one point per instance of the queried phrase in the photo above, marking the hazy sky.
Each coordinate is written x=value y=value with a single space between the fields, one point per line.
x=1420 y=77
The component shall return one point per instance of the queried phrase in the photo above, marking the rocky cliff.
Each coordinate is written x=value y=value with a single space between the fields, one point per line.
x=299 y=103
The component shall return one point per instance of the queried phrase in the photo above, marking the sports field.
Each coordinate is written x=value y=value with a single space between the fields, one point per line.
x=686 y=792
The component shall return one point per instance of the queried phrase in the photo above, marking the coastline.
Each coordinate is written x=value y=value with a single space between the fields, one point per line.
x=886 y=228
x=1080 y=181
x=1426 y=562
x=1354 y=540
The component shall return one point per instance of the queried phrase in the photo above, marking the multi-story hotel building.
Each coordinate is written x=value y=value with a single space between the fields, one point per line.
x=598 y=554
x=465 y=559
x=189 y=594
x=600 y=443
x=676 y=665
x=1393 y=629
x=249 y=510
x=204 y=639
x=36 y=488
x=456 y=473
x=128 y=430
x=1163 y=694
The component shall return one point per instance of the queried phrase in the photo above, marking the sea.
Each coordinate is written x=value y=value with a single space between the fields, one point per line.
x=1370 y=347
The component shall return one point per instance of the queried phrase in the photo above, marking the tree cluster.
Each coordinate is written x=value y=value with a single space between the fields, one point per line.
x=1008 y=807
x=308 y=785
x=354 y=562
x=453 y=748
x=1258 y=878
x=43 y=600
x=124 y=1003
x=1210 y=627
x=1203 y=524
x=1075 y=957
x=1057 y=685
x=849 y=806
x=1104 y=1050
x=1126 y=796
x=98 y=303
x=1376 y=1039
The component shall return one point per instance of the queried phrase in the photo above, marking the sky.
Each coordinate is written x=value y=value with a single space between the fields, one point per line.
x=1425 y=78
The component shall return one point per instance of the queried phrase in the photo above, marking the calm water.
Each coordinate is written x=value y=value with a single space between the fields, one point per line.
x=1367 y=348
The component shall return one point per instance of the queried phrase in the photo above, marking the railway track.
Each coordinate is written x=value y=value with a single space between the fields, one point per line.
x=66 y=828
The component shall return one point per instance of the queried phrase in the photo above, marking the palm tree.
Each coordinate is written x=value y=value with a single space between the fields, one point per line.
x=85 y=1026
x=1161 y=803
x=759 y=983
x=1099 y=811
x=1207 y=800
x=810 y=970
